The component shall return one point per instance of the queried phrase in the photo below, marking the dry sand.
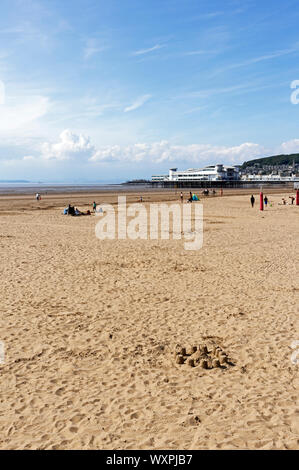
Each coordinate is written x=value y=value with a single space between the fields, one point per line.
x=90 y=329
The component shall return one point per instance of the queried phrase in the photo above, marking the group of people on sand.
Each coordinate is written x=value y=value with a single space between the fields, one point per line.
x=252 y=200
x=284 y=202
x=266 y=200
x=194 y=197
x=206 y=192
x=74 y=211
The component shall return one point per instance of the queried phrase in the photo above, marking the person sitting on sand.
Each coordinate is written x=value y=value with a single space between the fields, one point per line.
x=283 y=202
x=70 y=210
x=77 y=212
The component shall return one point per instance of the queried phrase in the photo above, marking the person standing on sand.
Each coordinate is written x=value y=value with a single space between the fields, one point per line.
x=265 y=201
x=252 y=200
x=182 y=197
x=94 y=206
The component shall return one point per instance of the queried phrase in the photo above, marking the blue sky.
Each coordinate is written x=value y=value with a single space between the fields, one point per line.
x=105 y=91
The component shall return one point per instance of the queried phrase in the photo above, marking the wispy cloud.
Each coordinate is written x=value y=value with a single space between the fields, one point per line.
x=255 y=60
x=15 y=30
x=218 y=90
x=147 y=51
x=195 y=109
x=247 y=87
x=207 y=16
x=92 y=47
x=137 y=103
x=21 y=111
x=2 y=92
x=201 y=52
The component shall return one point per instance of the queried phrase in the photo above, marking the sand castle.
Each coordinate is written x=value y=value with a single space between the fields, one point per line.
x=202 y=356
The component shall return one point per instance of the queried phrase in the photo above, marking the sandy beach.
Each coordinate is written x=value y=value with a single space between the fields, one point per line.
x=91 y=327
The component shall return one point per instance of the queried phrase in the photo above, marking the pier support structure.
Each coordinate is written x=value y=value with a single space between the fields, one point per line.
x=261 y=201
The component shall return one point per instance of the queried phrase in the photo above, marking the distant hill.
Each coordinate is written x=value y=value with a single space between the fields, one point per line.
x=140 y=181
x=14 y=181
x=275 y=160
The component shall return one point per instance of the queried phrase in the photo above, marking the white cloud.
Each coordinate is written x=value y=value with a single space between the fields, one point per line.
x=291 y=146
x=137 y=103
x=164 y=151
x=78 y=147
x=70 y=146
x=29 y=158
x=150 y=49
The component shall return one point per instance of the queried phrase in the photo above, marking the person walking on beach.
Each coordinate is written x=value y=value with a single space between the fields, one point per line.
x=252 y=200
x=292 y=199
x=265 y=201
x=94 y=206
x=182 y=197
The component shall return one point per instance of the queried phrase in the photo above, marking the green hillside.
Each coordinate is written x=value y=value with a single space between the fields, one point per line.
x=275 y=160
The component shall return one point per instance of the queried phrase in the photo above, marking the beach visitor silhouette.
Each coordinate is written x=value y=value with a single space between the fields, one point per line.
x=252 y=200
